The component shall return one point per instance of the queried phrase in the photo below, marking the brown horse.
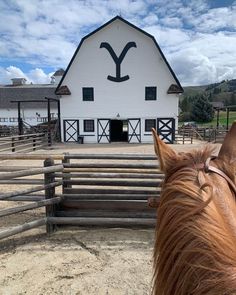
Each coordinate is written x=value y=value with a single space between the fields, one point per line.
x=195 y=248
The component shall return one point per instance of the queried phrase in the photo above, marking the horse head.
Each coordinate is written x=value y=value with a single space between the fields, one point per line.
x=195 y=248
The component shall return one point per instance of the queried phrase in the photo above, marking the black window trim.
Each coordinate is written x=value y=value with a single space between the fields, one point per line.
x=153 y=89
x=84 y=125
x=91 y=96
x=145 y=124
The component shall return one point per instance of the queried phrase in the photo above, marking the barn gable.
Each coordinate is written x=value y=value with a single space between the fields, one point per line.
x=177 y=87
x=117 y=86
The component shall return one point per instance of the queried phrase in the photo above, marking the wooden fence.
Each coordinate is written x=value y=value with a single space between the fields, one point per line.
x=212 y=134
x=97 y=190
x=23 y=143
x=48 y=200
x=108 y=189
x=206 y=134
x=183 y=137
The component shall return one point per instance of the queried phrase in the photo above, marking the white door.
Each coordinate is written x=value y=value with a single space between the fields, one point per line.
x=103 y=130
x=166 y=129
x=134 y=130
x=71 y=130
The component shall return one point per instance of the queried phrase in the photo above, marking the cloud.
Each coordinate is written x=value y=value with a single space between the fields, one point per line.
x=38 y=76
x=197 y=39
x=35 y=76
x=206 y=59
x=213 y=20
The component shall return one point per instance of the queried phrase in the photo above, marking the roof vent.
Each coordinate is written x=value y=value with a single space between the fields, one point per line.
x=18 y=81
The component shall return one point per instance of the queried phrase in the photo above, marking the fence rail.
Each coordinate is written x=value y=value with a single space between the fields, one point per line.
x=214 y=135
x=103 y=190
x=109 y=190
x=23 y=143
x=49 y=201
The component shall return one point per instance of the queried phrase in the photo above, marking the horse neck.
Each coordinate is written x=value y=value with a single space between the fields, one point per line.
x=204 y=214
x=224 y=200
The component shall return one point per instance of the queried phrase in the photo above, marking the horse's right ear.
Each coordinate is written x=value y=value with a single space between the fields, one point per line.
x=228 y=148
x=164 y=152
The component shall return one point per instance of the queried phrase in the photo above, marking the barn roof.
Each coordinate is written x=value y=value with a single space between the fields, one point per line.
x=179 y=88
x=59 y=72
x=26 y=92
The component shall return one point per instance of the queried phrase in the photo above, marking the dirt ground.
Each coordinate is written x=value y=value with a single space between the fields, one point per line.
x=77 y=260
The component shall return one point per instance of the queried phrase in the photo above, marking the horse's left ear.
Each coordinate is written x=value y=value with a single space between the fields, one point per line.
x=228 y=148
x=164 y=152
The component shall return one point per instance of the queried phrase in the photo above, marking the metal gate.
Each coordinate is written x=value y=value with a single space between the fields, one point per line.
x=134 y=130
x=103 y=130
x=71 y=130
x=166 y=129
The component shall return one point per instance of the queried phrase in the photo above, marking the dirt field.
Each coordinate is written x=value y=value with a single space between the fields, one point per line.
x=77 y=260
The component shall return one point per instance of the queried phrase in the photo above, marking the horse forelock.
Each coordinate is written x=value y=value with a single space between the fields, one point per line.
x=195 y=245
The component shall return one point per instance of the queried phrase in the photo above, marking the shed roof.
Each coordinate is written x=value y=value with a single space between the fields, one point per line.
x=26 y=92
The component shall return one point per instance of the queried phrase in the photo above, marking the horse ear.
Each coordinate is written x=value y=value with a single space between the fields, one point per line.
x=228 y=148
x=164 y=152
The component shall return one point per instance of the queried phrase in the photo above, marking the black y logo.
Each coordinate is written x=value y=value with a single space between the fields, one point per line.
x=118 y=60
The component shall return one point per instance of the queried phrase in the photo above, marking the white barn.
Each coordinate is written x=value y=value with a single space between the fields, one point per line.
x=117 y=86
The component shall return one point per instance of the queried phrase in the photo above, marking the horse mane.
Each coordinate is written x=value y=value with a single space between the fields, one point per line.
x=195 y=248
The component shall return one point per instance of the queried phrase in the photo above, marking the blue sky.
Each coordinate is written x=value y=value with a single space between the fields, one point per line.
x=198 y=37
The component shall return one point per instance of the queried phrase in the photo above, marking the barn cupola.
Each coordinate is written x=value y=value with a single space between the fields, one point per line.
x=18 y=81
x=56 y=77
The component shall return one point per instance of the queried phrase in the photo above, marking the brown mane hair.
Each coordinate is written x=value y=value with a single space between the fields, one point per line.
x=195 y=248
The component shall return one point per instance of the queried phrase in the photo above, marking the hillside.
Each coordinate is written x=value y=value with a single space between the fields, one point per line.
x=224 y=91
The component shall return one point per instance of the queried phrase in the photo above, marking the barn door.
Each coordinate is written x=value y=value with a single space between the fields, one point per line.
x=166 y=129
x=103 y=130
x=71 y=130
x=134 y=130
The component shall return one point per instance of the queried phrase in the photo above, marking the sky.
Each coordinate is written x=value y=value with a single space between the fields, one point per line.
x=198 y=37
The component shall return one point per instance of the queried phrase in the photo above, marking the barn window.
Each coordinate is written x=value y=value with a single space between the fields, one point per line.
x=150 y=93
x=88 y=94
x=42 y=119
x=3 y=119
x=13 y=119
x=88 y=125
x=149 y=124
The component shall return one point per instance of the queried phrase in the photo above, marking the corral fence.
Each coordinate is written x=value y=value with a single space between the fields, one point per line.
x=187 y=134
x=23 y=143
x=83 y=190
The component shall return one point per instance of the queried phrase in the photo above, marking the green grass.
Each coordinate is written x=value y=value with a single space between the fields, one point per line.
x=222 y=120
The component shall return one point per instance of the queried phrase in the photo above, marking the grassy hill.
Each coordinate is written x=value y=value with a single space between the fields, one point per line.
x=224 y=91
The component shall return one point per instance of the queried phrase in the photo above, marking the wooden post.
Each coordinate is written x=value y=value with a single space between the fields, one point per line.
x=66 y=175
x=49 y=193
x=217 y=118
x=59 y=118
x=13 y=144
x=20 y=121
x=227 y=120
x=34 y=143
x=49 y=124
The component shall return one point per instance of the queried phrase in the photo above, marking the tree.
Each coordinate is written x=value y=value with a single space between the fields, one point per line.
x=186 y=104
x=202 y=110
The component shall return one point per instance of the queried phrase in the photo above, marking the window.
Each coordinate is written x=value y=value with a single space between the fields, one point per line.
x=88 y=94
x=88 y=125
x=149 y=124
x=13 y=119
x=3 y=119
x=150 y=93
x=42 y=119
